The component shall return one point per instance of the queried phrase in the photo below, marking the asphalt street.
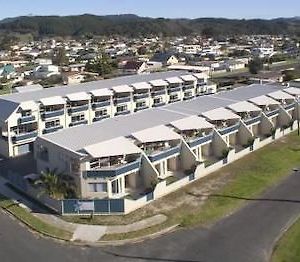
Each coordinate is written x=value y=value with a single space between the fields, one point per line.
x=246 y=236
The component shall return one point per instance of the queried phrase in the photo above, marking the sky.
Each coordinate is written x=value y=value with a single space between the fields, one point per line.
x=155 y=8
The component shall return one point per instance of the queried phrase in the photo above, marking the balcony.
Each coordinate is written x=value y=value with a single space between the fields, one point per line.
x=174 y=89
x=26 y=119
x=229 y=129
x=24 y=136
x=141 y=96
x=187 y=97
x=158 y=93
x=156 y=156
x=252 y=121
x=52 y=129
x=99 y=118
x=289 y=106
x=114 y=171
x=188 y=87
x=50 y=114
x=200 y=140
x=121 y=100
x=272 y=113
x=101 y=104
x=125 y=112
x=159 y=104
x=141 y=108
x=77 y=123
x=174 y=100
x=76 y=109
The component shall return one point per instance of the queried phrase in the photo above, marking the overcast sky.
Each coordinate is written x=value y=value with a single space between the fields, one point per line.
x=154 y=8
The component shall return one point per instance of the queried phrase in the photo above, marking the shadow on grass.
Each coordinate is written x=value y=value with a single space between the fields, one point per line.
x=131 y=257
x=295 y=201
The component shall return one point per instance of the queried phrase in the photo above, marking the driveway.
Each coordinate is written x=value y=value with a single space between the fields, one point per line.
x=247 y=235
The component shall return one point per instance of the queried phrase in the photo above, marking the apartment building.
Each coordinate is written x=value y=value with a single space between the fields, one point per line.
x=25 y=116
x=141 y=157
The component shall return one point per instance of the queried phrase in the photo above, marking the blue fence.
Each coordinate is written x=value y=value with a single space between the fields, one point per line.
x=97 y=206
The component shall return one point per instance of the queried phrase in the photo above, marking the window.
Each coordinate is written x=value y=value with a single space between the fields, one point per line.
x=157 y=100
x=140 y=104
x=97 y=187
x=121 y=108
x=77 y=118
x=173 y=97
x=102 y=112
x=26 y=113
x=53 y=123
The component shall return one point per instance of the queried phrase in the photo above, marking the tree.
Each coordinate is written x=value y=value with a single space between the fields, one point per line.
x=60 y=57
x=255 y=65
x=103 y=65
x=56 y=185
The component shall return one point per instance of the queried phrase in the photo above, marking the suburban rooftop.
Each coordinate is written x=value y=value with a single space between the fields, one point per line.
x=89 y=86
x=77 y=138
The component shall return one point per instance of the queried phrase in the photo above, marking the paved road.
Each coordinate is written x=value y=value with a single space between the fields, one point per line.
x=248 y=235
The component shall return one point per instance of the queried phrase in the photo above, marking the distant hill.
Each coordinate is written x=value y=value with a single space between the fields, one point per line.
x=132 y=25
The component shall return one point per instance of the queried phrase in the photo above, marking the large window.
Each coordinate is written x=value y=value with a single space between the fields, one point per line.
x=77 y=118
x=121 y=108
x=53 y=123
x=102 y=112
x=97 y=187
x=140 y=104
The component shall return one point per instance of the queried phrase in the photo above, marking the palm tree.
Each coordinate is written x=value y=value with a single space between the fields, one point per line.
x=54 y=184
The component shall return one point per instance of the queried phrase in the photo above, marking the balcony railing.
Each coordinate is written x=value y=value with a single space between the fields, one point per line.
x=99 y=118
x=164 y=153
x=114 y=171
x=187 y=97
x=141 y=108
x=159 y=104
x=101 y=104
x=121 y=100
x=26 y=119
x=77 y=123
x=174 y=100
x=252 y=121
x=141 y=96
x=188 y=87
x=289 y=106
x=229 y=129
x=174 y=89
x=272 y=113
x=125 y=112
x=200 y=140
x=77 y=109
x=52 y=129
x=158 y=93
x=56 y=113
x=24 y=136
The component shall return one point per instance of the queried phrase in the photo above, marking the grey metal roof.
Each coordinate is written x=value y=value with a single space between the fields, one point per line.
x=89 y=86
x=79 y=137
x=6 y=109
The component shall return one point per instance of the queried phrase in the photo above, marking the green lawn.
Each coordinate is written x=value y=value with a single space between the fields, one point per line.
x=31 y=221
x=288 y=248
x=248 y=178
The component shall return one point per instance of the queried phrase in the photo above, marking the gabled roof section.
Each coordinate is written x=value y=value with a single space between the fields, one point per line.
x=220 y=114
x=279 y=95
x=264 y=101
x=293 y=91
x=191 y=123
x=156 y=134
x=114 y=147
x=244 y=106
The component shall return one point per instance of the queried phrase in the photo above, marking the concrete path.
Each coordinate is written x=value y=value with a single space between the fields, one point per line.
x=246 y=236
x=88 y=233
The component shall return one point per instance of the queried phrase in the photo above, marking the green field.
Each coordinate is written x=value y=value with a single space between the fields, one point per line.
x=288 y=248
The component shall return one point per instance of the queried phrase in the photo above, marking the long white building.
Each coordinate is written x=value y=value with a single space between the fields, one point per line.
x=131 y=160
x=24 y=116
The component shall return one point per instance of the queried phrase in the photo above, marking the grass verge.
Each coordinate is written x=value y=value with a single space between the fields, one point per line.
x=247 y=178
x=288 y=248
x=31 y=221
